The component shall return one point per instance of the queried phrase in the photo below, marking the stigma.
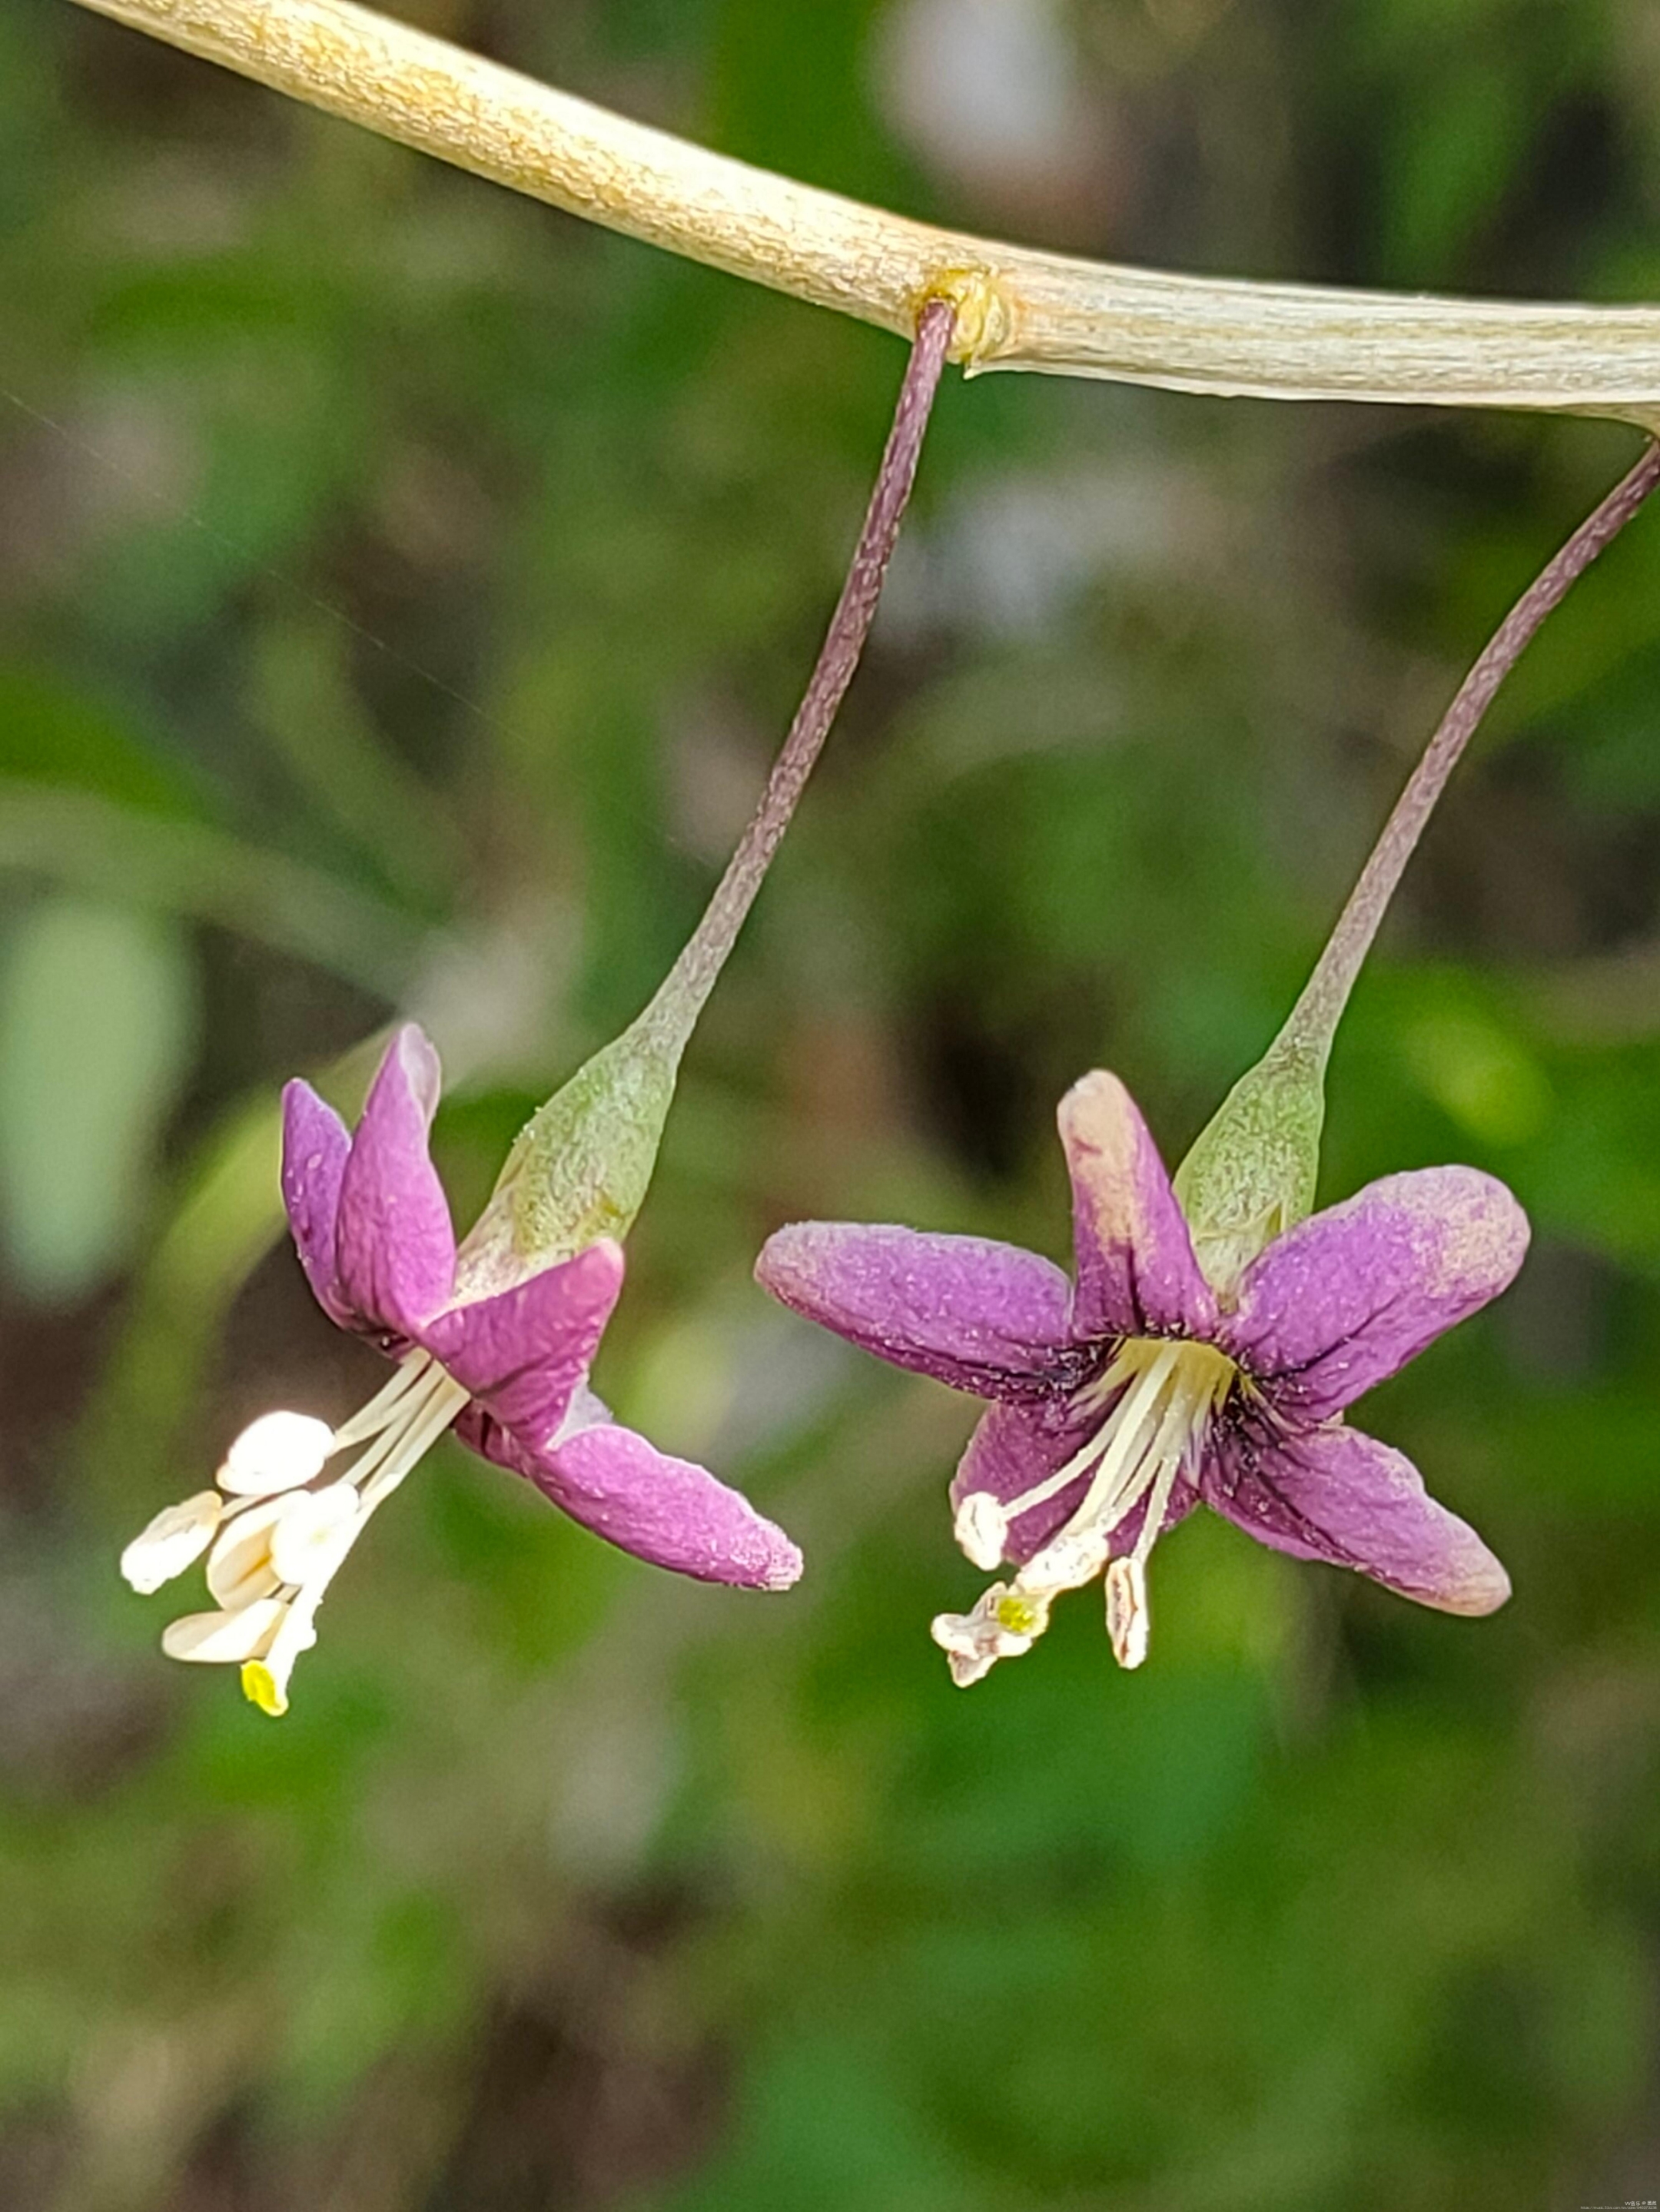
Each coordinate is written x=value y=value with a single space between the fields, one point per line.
x=1158 y=1400
x=280 y=1521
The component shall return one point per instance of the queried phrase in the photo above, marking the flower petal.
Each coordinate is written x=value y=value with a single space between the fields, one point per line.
x=1017 y=1447
x=315 y=1146
x=984 y=1317
x=523 y=1354
x=394 y=1243
x=1137 y=1276
x=1351 y=1295
x=665 y=1510
x=1341 y=1497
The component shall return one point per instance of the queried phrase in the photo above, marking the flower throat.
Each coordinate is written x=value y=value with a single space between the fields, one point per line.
x=1160 y=1397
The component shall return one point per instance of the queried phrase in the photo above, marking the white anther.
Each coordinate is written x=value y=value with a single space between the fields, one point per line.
x=240 y=1571
x=1127 y=1624
x=306 y=1534
x=982 y=1530
x=224 y=1637
x=173 y=1540
x=279 y=1451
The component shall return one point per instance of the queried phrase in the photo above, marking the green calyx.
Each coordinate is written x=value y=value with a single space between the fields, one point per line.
x=582 y=1166
x=1252 y=1171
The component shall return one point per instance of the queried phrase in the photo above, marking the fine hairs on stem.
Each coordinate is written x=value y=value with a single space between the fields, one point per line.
x=1016 y=308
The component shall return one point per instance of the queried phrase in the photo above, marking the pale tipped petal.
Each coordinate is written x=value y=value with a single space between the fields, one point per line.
x=217 y=1639
x=1346 y=1297
x=667 y=1511
x=984 y=1317
x=279 y=1451
x=173 y=1540
x=1137 y=1276
x=1341 y=1497
x=315 y=1145
x=393 y=1241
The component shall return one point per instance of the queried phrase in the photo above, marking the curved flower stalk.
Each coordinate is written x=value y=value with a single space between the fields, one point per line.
x=1212 y=1337
x=494 y=1338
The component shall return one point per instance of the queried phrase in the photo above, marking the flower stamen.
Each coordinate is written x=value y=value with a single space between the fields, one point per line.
x=279 y=1539
x=1162 y=1396
x=1127 y=1624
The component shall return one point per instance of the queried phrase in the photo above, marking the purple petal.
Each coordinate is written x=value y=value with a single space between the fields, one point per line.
x=1017 y=1447
x=984 y=1317
x=1137 y=1276
x=394 y=1242
x=1341 y=1497
x=315 y=1146
x=523 y=1354
x=1348 y=1296
x=665 y=1510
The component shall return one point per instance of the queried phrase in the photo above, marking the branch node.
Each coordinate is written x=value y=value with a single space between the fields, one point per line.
x=984 y=318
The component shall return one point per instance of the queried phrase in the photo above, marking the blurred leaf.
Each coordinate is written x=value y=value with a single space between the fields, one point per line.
x=50 y=733
x=306 y=699
x=1457 y=148
x=824 y=2127
x=97 y=1022
x=1486 y=1080
x=187 y=869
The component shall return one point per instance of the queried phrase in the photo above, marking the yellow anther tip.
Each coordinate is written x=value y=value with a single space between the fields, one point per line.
x=259 y=1688
x=1018 y=1615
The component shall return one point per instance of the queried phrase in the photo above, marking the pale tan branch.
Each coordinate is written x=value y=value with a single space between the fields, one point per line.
x=1015 y=308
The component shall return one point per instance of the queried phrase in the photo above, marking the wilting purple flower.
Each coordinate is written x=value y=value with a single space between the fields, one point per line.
x=508 y=1373
x=1123 y=1399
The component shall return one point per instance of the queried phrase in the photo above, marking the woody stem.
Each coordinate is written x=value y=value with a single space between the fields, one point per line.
x=1021 y=308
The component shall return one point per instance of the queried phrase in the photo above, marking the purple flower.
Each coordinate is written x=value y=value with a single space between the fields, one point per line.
x=508 y=1372
x=1121 y=1400
x=495 y=1340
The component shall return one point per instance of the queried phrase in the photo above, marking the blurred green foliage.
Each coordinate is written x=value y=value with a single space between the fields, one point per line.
x=402 y=592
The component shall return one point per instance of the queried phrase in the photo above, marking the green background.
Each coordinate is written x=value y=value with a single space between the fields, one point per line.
x=401 y=590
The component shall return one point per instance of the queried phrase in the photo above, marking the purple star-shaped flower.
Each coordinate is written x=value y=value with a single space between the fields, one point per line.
x=1121 y=1400
x=372 y=1230
x=508 y=1371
